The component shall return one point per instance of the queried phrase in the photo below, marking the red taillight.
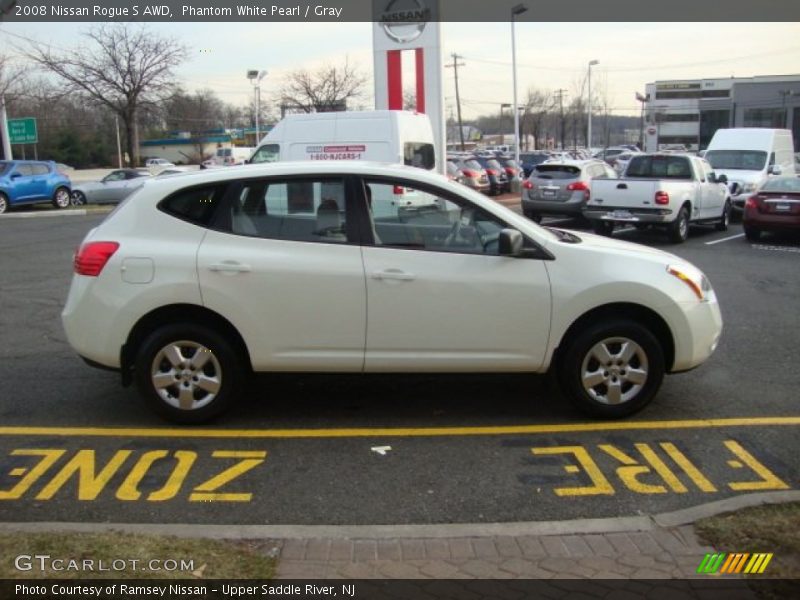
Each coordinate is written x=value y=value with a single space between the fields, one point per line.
x=755 y=201
x=469 y=173
x=662 y=198
x=511 y=172
x=492 y=172
x=577 y=186
x=92 y=257
x=399 y=190
x=527 y=184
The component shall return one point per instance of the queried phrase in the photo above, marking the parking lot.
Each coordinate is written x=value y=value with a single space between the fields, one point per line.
x=324 y=449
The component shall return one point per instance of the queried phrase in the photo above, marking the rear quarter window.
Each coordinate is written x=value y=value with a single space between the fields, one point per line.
x=196 y=205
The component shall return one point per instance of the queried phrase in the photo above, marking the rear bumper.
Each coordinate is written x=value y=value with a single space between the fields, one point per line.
x=637 y=215
x=573 y=206
x=771 y=221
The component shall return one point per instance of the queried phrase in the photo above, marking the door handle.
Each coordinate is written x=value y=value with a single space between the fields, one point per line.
x=229 y=266
x=622 y=186
x=393 y=275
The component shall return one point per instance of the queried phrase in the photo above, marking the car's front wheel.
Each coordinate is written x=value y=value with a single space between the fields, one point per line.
x=188 y=373
x=61 y=198
x=612 y=369
x=3 y=203
x=78 y=198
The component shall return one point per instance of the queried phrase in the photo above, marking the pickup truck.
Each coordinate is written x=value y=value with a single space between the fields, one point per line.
x=665 y=190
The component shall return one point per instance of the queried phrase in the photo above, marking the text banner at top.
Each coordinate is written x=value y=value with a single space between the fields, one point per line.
x=392 y=11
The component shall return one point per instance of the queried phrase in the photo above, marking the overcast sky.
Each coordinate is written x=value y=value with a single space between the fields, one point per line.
x=549 y=55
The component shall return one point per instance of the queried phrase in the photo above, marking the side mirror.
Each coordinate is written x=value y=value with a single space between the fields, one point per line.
x=722 y=179
x=510 y=243
x=15 y=175
x=775 y=170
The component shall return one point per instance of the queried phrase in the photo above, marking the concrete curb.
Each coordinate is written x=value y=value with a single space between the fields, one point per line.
x=71 y=212
x=454 y=530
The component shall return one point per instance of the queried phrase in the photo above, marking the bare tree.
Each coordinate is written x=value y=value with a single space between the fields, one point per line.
x=536 y=106
x=11 y=76
x=327 y=89
x=121 y=66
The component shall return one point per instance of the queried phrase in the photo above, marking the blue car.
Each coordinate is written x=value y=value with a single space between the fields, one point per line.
x=32 y=182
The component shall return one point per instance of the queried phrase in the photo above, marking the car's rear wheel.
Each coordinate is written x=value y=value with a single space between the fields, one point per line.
x=78 y=198
x=612 y=369
x=679 y=229
x=3 y=203
x=725 y=219
x=752 y=234
x=61 y=198
x=603 y=227
x=188 y=373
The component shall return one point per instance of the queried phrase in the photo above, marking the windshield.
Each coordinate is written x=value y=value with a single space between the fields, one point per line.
x=744 y=160
x=266 y=154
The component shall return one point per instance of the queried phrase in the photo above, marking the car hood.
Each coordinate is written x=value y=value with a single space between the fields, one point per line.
x=594 y=242
x=741 y=175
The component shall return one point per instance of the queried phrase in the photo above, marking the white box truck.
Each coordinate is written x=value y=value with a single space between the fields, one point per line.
x=747 y=156
x=392 y=136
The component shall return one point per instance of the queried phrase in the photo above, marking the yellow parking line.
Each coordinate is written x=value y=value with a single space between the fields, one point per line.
x=399 y=431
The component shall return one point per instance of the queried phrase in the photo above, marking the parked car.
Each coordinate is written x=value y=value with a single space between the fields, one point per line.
x=158 y=163
x=474 y=175
x=531 y=159
x=32 y=182
x=454 y=173
x=620 y=162
x=665 y=190
x=498 y=180
x=561 y=188
x=113 y=188
x=207 y=278
x=607 y=154
x=513 y=169
x=775 y=207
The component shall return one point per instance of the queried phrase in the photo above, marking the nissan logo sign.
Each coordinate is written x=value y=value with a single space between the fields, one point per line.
x=404 y=20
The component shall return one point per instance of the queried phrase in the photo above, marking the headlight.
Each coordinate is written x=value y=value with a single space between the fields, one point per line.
x=694 y=278
x=748 y=188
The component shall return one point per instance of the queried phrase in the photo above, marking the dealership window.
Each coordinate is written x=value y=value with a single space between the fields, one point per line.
x=716 y=93
x=677 y=117
x=676 y=95
x=710 y=121
x=772 y=118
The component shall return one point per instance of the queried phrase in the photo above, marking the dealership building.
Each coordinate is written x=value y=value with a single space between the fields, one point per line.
x=688 y=112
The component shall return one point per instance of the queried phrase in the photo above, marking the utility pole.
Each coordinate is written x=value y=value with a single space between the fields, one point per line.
x=560 y=94
x=4 y=130
x=455 y=66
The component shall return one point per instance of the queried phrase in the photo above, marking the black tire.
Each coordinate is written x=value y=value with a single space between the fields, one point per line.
x=77 y=198
x=224 y=366
x=61 y=197
x=578 y=358
x=679 y=228
x=725 y=219
x=536 y=218
x=3 y=203
x=601 y=227
x=752 y=234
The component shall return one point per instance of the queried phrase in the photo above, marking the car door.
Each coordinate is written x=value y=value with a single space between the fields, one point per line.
x=283 y=265
x=439 y=297
x=713 y=194
x=22 y=185
x=39 y=181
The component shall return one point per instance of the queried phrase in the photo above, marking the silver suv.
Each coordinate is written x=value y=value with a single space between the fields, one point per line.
x=561 y=188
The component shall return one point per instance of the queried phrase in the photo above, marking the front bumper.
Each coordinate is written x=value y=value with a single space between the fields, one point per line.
x=697 y=333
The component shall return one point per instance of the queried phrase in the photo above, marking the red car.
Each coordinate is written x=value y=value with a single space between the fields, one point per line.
x=775 y=207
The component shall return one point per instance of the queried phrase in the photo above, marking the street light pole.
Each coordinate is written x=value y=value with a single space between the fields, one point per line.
x=255 y=76
x=4 y=130
x=515 y=12
x=589 y=132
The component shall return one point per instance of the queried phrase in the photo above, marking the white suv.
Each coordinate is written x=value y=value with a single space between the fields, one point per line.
x=198 y=280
